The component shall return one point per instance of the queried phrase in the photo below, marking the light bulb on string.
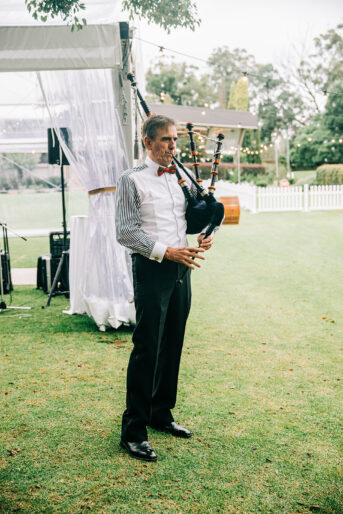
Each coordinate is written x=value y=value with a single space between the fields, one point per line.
x=161 y=48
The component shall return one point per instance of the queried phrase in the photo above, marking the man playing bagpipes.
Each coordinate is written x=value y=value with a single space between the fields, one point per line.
x=150 y=221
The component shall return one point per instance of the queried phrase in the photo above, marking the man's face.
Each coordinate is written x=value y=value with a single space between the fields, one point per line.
x=163 y=147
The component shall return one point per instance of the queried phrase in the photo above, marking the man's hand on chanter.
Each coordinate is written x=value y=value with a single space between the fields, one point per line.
x=185 y=255
x=205 y=243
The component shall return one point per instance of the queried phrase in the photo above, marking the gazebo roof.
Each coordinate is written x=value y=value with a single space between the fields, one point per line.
x=205 y=117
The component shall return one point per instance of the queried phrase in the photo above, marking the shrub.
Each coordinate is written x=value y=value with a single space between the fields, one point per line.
x=329 y=174
x=4 y=184
x=55 y=180
x=14 y=183
x=28 y=181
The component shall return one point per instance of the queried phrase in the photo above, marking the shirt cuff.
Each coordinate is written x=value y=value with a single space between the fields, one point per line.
x=158 y=252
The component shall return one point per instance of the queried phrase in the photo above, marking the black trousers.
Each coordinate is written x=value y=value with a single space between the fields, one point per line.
x=162 y=307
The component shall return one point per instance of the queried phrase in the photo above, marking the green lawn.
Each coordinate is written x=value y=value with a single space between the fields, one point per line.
x=36 y=211
x=304 y=177
x=260 y=387
x=40 y=210
x=24 y=254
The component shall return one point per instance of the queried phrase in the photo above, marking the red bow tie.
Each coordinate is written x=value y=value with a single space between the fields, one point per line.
x=161 y=170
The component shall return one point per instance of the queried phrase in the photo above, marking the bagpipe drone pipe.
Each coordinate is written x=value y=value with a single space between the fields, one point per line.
x=203 y=213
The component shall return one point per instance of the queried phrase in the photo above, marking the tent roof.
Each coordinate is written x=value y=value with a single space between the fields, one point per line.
x=205 y=117
x=27 y=44
x=57 y=48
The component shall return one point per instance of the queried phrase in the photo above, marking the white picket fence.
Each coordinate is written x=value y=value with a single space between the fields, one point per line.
x=277 y=199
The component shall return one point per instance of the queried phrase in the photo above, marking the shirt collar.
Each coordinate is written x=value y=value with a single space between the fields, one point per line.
x=152 y=165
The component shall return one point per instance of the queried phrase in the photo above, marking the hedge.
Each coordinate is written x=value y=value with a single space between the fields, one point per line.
x=329 y=174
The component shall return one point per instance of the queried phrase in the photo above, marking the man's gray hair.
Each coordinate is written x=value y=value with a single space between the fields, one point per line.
x=155 y=122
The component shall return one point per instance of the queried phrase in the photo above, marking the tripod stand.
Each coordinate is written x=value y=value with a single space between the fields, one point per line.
x=63 y=264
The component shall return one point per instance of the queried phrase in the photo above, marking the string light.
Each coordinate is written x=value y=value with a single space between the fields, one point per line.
x=252 y=151
x=333 y=93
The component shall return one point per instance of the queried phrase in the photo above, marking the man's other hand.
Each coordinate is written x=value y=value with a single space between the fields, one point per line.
x=205 y=243
x=185 y=255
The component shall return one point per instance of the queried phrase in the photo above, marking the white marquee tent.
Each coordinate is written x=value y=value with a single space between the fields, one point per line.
x=81 y=76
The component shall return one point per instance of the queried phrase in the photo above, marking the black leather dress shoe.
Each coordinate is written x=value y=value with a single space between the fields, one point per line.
x=142 y=450
x=174 y=429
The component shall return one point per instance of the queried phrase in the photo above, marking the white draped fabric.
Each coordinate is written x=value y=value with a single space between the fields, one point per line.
x=86 y=102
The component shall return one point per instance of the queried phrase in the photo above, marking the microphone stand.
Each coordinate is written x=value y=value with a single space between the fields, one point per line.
x=3 y=305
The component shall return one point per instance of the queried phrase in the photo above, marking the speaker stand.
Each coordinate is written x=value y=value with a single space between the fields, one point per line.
x=63 y=262
x=65 y=253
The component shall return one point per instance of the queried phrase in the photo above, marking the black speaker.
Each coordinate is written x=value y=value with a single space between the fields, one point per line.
x=57 y=243
x=46 y=270
x=6 y=272
x=54 y=149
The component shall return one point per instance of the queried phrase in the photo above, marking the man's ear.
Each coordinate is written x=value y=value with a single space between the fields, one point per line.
x=147 y=142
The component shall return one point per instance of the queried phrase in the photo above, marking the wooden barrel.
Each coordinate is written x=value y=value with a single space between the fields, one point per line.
x=232 y=209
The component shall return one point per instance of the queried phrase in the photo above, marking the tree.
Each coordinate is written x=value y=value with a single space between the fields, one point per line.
x=181 y=82
x=269 y=94
x=252 y=140
x=228 y=66
x=20 y=161
x=333 y=115
x=239 y=95
x=321 y=141
x=329 y=48
x=314 y=145
x=309 y=75
x=67 y=9
x=168 y=14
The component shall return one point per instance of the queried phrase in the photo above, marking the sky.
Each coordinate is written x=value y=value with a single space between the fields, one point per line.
x=271 y=30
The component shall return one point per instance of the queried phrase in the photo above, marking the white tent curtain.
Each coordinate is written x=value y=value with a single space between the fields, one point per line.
x=86 y=102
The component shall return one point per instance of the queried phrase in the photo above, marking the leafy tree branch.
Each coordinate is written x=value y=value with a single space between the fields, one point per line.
x=168 y=14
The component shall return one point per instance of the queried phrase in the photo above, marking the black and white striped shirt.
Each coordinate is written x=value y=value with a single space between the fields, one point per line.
x=150 y=211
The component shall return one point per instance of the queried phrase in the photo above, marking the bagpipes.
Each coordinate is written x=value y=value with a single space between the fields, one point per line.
x=203 y=213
